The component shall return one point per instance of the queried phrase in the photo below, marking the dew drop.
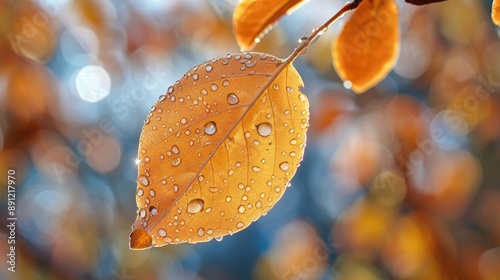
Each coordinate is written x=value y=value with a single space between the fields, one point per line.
x=164 y=182
x=170 y=89
x=256 y=168
x=208 y=68
x=162 y=232
x=153 y=210
x=240 y=225
x=293 y=141
x=250 y=64
x=143 y=180
x=140 y=192
x=176 y=188
x=232 y=99
x=302 y=40
x=161 y=98
x=241 y=209
x=258 y=204
x=201 y=232
x=284 y=166
x=210 y=128
x=210 y=231
x=289 y=89
x=225 y=83
x=228 y=199
x=214 y=87
x=176 y=161
x=347 y=84
x=195 y=76
x=142 y=213
x=264 y=129
x=219 y=238
x=152 y=193
x=195 y=206
x=175 y=149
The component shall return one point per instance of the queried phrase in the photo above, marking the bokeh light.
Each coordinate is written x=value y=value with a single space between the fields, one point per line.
x=93 y=83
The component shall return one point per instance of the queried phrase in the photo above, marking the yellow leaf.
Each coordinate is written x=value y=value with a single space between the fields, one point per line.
x=218 y=150
x=252 y=18
x=495 y=12
x=367 y=48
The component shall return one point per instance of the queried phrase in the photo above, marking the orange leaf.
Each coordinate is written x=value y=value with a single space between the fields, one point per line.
x=219 y=149
x=495 y=12
x=367 y=48
x=253 y=18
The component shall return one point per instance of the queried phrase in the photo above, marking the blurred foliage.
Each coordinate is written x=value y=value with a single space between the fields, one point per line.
x=402 y=182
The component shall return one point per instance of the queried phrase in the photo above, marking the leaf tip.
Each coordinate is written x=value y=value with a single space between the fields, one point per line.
x=140 y=239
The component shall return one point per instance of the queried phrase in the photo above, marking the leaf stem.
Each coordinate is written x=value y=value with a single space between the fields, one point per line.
x=319 y=31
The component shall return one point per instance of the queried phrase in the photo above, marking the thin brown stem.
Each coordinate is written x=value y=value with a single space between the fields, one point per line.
x=319 y=31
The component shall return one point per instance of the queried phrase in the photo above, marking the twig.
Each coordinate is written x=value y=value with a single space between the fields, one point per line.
x=319 y=31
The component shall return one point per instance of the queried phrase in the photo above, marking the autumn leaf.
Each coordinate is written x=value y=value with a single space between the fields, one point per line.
x=252 y=18
x=368 y=46
x=495 y=12
x=218 y=150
